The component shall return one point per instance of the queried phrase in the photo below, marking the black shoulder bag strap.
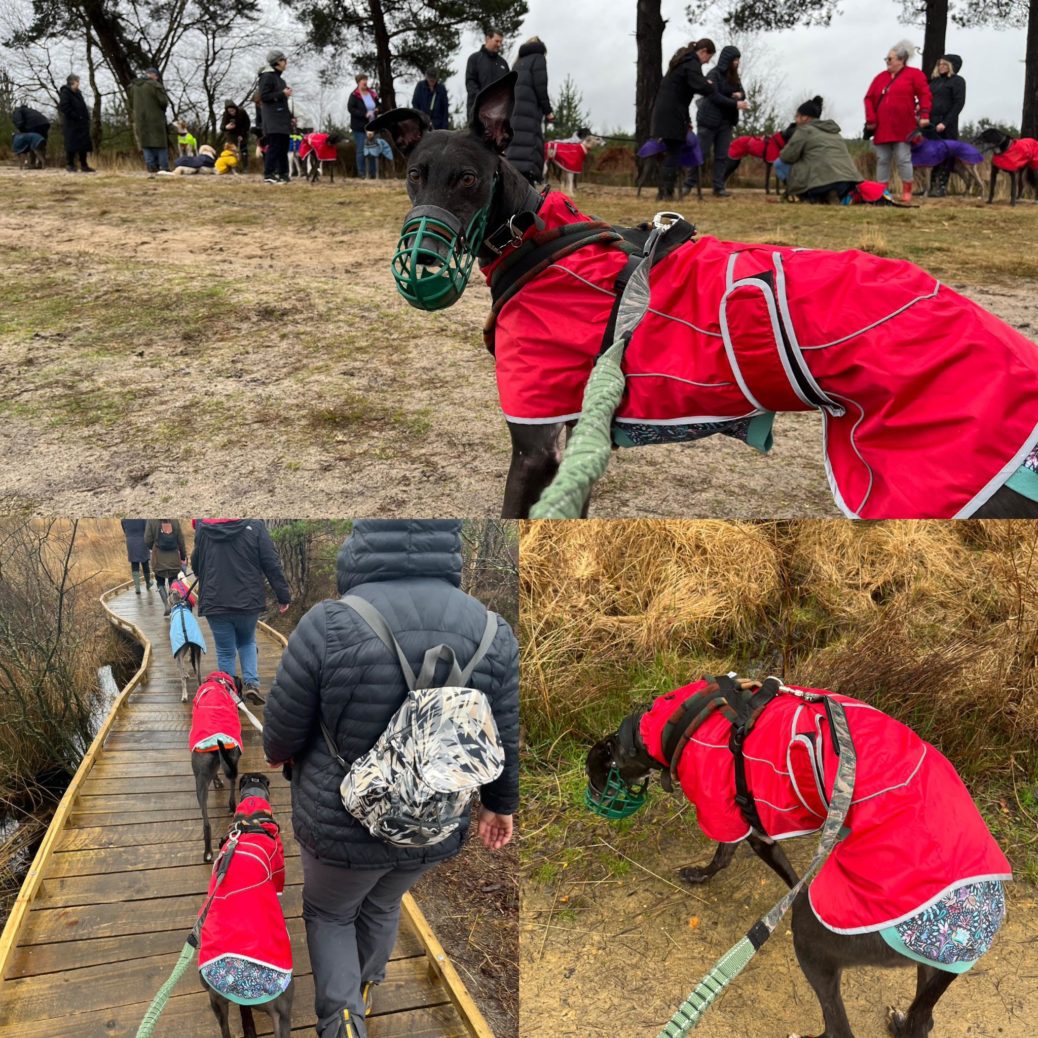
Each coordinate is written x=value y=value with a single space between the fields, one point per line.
x=457 y=677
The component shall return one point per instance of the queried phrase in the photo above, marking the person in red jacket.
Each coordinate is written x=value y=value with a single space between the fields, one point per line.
x=897 y=103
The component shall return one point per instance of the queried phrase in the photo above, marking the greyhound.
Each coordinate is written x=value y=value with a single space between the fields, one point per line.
x=562 y=156
x=460 y=178
x=186 y=639
x=267 y=865
x=996 y=142
x=620 y=765
x=215 y=740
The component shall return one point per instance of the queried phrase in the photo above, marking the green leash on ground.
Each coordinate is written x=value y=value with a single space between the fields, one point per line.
x=587 y=453
x=734 y=961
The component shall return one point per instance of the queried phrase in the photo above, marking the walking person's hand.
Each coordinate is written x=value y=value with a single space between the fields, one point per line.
x=494 y=830
x=283 y=607
x=288 y=91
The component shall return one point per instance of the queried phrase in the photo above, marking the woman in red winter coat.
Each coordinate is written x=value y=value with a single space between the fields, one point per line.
x=897 y=103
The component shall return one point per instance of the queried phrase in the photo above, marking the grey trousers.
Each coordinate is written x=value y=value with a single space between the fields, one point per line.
x=901 y=155
x=351 y=918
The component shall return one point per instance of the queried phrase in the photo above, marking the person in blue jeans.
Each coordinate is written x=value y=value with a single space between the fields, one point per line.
x=363 y=106
x=231 y=559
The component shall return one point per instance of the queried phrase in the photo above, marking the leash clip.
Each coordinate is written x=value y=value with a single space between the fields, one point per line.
x=663 y=221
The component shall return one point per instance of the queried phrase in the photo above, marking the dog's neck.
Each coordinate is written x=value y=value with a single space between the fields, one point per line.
x=514 y=195
x=629 y=741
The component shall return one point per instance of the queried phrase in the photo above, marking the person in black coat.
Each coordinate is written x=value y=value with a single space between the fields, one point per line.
x=336 y=669
x=531 y=108
x=670 y=120
x=276 y=112
x=137 y=552
x=484 y=67
x=28 y=120
x=430 y=96
x=75 y=125
x=231 y=558
x=719 y=113
x=949 y=98
x=234 y=125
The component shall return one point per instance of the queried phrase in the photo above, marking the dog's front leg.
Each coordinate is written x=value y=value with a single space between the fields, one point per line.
x=536 y=455
x=694 y=874
x=774 y=857
x=248 y=1025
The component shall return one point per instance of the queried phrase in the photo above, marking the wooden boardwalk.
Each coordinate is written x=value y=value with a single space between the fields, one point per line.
x=119 y=880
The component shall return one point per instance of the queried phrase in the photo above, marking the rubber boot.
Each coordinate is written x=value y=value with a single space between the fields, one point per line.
x=906 y=194
x=164 y=595
x=136 y=580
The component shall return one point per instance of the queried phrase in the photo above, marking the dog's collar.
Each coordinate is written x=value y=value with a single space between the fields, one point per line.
x=512 y=233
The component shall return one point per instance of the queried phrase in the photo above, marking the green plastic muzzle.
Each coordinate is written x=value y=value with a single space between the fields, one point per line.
x=434 y=256
x=618 y=799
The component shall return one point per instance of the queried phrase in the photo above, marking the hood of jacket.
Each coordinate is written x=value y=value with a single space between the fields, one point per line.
x=224 y=529
x=392 y=549
x=532 y=48
x=726 y=57
x=826 y=126
x=954 y=60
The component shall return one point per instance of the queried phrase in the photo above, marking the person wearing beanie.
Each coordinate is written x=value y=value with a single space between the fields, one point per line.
x=430 y=96
x=896 y=105
x=949 y=98
x=234 y=125
x=820 y=166
x=75 y=125
x=276 y=115
x=532 y=107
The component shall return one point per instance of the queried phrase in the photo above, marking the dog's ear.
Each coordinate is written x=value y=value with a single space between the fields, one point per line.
x=406 y=126
x=491 y=113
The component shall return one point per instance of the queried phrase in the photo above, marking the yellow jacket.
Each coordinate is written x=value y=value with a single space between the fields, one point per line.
x=226 y=161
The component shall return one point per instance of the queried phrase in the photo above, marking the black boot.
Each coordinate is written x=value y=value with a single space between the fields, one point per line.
x=939 y=184
x=668 y=181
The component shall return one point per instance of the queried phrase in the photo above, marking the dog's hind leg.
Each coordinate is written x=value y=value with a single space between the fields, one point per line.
x=220 y=1006
x=931 y=983
x=817 y=952
x=248 y=1025
x=536 y=455
x=774 y=857
x=183 y=674
x=280 y=1011
x=205 y=770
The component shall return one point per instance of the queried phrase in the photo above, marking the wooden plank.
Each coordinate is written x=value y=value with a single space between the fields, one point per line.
x=134 y=801
x=112 y=860
x=35 y=959
x=407 y=986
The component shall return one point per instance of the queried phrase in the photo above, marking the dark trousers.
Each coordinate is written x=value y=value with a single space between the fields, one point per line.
x=716 y=139
x=275 y=159
x=70 y=159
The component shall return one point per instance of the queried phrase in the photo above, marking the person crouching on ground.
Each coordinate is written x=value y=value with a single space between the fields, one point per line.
x=336 y=668
x=820 y=166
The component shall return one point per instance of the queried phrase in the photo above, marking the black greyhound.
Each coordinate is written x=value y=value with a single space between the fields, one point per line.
x=994 y=141
x=462 y=173
x=205 y=766
x=822 y=953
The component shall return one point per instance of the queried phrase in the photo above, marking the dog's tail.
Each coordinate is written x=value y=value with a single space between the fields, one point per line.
x=229 y=763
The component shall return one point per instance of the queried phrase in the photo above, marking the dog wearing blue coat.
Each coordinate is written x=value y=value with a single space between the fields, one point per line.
x=185 y=635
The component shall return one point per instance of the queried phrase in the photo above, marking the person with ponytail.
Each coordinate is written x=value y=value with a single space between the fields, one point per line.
x=670 y=119
x=820 y=165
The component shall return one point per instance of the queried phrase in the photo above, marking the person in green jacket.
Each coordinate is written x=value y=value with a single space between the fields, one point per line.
x=149 y=100
x=820 y=165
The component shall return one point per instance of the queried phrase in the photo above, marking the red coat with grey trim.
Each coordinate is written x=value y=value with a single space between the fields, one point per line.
x=929 y=402
x=214 y=712
x=914 y=830
x=245 y=919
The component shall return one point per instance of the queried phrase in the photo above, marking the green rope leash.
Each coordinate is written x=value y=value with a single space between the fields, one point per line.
x=735 y=960
x=158 y=1003
x=587 y=453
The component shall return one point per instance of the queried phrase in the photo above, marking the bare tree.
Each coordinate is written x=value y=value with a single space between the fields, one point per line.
x=648 y=34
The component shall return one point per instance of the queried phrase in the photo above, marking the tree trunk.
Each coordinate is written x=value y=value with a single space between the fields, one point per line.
x=935 y=35
x=96 y=126
x=648 y=33
x=383 y=57
x=1029 y=119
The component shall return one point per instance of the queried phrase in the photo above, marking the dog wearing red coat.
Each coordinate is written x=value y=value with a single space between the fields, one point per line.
x=1016 y=157
x=244 y=950
x=759 y=761
x=215 y=740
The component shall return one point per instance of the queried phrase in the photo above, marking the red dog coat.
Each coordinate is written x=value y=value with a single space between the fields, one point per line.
x=245 y=918
x=929 y=402
x=318 y=142
x=570 y=157
x=915 y=833
x=214 y=713
x=1022 y=152
x=766 y=148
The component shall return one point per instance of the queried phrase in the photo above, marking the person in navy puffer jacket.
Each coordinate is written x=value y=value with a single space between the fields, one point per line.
x=335 y=669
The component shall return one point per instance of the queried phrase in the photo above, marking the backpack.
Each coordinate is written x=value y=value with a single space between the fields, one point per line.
x=413 y=787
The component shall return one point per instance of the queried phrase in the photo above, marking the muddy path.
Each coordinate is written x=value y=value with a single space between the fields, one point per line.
x=616 y=956
x=223 y=344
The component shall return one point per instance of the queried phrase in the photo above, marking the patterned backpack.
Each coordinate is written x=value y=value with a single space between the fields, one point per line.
x=413 y=787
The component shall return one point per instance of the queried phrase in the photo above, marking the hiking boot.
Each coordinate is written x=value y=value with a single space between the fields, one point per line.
x=251 y=693
x=88 y=169
x=70 y=169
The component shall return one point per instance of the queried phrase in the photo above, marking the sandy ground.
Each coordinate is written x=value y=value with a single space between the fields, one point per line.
x=617 y=957
x=234 y=346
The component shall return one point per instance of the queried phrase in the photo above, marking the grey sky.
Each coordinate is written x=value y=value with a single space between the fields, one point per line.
x=593 y=40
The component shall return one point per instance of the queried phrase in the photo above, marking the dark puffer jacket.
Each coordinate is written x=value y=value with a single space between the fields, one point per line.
x=949 y=98
x=681 y=83
x=483 y=68
x=336 y=669
x=526 y=152
x=136 y=549
x=720 y=107
x=275 y=110
x=230 y=559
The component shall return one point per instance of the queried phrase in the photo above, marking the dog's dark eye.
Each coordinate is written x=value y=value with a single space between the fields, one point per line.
x=414 y=176
x=468 y=179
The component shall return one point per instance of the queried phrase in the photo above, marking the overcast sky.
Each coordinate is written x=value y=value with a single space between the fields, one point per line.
x=593 y=41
